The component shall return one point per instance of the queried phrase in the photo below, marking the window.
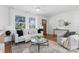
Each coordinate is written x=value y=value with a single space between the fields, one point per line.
x=32 y=23
x=19 y=22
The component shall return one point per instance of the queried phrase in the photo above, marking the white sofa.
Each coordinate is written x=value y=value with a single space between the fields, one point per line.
x=18 y=39
x=27 y=35
x=31 y=33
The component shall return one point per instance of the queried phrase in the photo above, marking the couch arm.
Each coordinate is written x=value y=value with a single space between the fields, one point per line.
x=16 y=35
x=61 y=40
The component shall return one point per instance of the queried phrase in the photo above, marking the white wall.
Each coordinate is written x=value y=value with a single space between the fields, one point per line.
x=72 y=16
x=7 y=18
x=14 y=12
x=4 y=16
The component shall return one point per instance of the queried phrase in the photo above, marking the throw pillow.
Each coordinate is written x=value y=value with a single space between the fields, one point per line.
x=67 y=34
x=20 y=33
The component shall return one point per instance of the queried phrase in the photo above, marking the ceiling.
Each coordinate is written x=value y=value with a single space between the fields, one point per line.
x=45 y=10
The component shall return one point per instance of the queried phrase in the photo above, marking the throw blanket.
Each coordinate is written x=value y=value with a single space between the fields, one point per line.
x=72 y=42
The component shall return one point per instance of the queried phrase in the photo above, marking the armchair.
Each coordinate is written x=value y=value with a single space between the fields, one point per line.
x=7 y=36
x=67 y=39
x=70 y=42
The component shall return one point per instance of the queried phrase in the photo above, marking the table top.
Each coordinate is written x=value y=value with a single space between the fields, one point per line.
x=39 y=41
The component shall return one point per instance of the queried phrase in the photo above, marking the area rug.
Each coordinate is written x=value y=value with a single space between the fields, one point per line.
x=52 y=48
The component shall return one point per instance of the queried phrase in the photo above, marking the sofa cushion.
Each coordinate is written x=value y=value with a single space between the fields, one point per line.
x=25 y=31
x=32 y=31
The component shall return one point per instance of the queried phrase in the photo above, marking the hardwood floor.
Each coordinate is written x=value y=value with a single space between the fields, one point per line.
x=1 y=39
x=51 y=37
x=8 y=45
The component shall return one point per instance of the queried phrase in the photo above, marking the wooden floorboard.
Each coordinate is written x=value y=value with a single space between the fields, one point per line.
x=51 y=37
x=8 y=47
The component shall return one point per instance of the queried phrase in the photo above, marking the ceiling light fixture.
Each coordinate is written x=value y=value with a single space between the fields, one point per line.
x=38 y=9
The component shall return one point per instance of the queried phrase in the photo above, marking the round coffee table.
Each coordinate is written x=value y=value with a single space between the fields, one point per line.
x=40 y=42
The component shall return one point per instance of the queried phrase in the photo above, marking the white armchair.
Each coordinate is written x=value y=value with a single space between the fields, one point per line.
x=7 y=36
x=71 y=42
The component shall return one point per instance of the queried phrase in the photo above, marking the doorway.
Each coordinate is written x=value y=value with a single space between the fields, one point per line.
x=44 y=24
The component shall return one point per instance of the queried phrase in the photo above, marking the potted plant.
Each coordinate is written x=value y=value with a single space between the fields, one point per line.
x=66 y=23
x=39 y=36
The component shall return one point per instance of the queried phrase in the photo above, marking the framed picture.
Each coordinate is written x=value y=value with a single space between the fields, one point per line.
x=32 y=22
x=19 y=22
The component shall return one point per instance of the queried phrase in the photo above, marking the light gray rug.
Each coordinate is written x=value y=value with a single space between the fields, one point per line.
x=52 y=48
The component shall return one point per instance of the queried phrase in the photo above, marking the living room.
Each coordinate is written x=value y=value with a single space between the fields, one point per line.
x=33 y=22
x=11 y=15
